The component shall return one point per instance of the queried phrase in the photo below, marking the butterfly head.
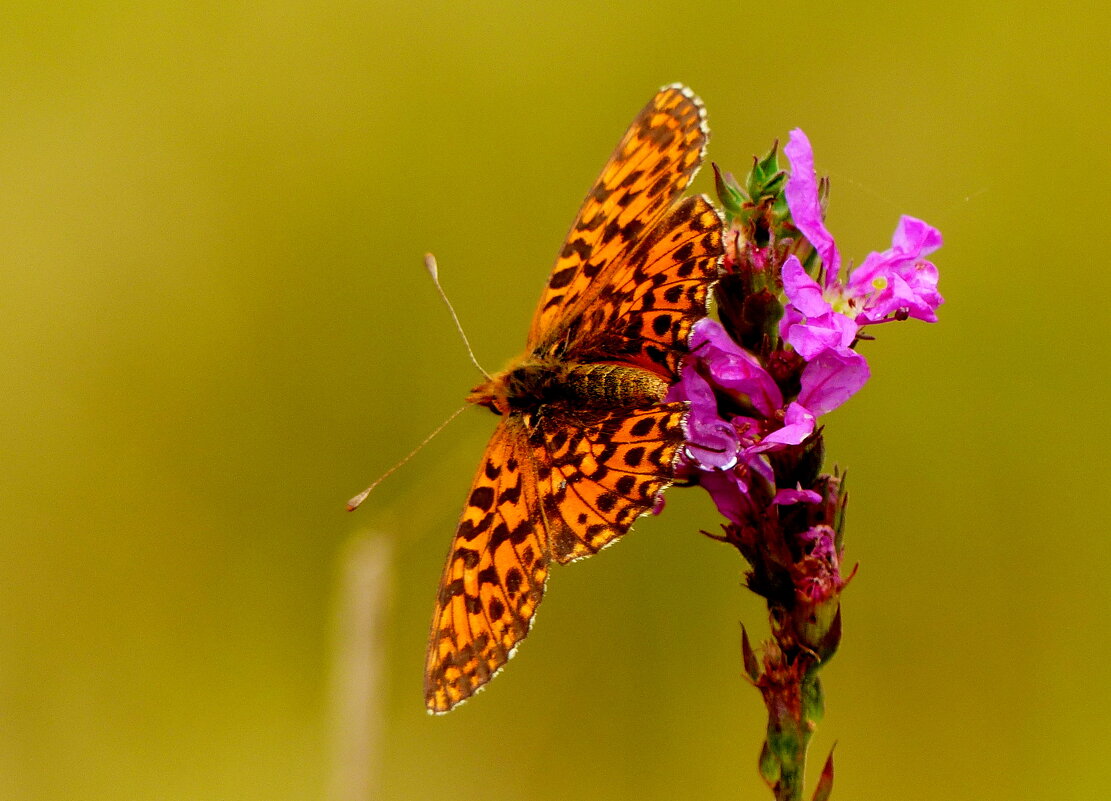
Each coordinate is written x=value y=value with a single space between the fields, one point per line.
x=526 y=384
x=493 y=393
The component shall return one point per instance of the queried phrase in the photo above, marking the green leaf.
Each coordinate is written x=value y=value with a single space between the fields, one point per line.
x=751 y=663
x=825 y=781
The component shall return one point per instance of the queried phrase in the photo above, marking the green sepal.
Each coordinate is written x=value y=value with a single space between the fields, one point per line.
x=766 y=178
x=821 y=631
x=839 y=512
x=732 y=197
x=779 y=207
x=813 y=700
x=831 y=640
x=788 y=742
x=770 y=766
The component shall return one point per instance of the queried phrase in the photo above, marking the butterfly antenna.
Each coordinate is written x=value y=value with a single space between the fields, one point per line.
x=434 y=271
x=353 y=504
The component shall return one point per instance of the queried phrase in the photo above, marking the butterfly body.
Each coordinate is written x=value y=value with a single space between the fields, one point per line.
x=586 y=441
x=531 y=386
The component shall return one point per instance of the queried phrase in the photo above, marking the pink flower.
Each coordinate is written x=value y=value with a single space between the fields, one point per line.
x=899 y=280
x=817 y=576
x=893 y=284
x=727 y=449
x=810 y=322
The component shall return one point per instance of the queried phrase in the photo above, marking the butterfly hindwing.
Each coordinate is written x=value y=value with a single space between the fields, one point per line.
x=595 y=480
x=495 y=573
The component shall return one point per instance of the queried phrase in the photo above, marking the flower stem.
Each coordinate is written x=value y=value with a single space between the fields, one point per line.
x=789 y=788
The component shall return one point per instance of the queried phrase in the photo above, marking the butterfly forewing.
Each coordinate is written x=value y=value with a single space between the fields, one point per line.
x=655 y=161
x=644 y=316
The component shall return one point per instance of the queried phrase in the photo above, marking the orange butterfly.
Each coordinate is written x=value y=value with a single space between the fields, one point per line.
x=585 y=444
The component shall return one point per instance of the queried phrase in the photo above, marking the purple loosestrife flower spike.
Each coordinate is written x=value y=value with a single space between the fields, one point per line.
x=757 y=384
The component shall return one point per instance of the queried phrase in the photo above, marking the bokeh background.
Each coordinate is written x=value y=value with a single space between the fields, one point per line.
x=215 y=327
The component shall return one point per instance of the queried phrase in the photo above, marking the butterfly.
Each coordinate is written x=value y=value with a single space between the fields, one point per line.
x=586 y=442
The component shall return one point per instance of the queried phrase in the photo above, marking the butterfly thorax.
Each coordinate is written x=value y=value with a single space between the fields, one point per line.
x=534 y=382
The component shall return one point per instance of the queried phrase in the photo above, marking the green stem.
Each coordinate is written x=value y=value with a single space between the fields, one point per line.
x=794 y=701
x=789 y=787
x=792 y=761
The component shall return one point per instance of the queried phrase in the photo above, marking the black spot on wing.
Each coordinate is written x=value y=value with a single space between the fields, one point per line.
x=633 y=457
x=482 y=498
x=562 y=278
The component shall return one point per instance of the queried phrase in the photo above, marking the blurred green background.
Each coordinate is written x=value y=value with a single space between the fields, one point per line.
x=215 y=327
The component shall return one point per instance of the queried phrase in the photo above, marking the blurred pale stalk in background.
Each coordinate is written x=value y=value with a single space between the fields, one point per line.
x=362 y=592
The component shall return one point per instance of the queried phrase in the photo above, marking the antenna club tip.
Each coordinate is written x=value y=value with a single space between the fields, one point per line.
x=354 y=503
x=430 y=265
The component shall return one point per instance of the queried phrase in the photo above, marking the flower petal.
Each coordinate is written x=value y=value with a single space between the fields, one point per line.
x=831 y=378
x=734 y=369
x=729 y=493
x=785 y=497
x=804 y=293
x=831 y=330
x=798 y=424
x=899 y=279
x=801 y=192
x=712 y=442
x=912 y=235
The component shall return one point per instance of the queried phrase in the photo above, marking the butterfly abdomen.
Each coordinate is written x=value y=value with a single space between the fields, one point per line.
x=614 y=386
x=532 y=384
